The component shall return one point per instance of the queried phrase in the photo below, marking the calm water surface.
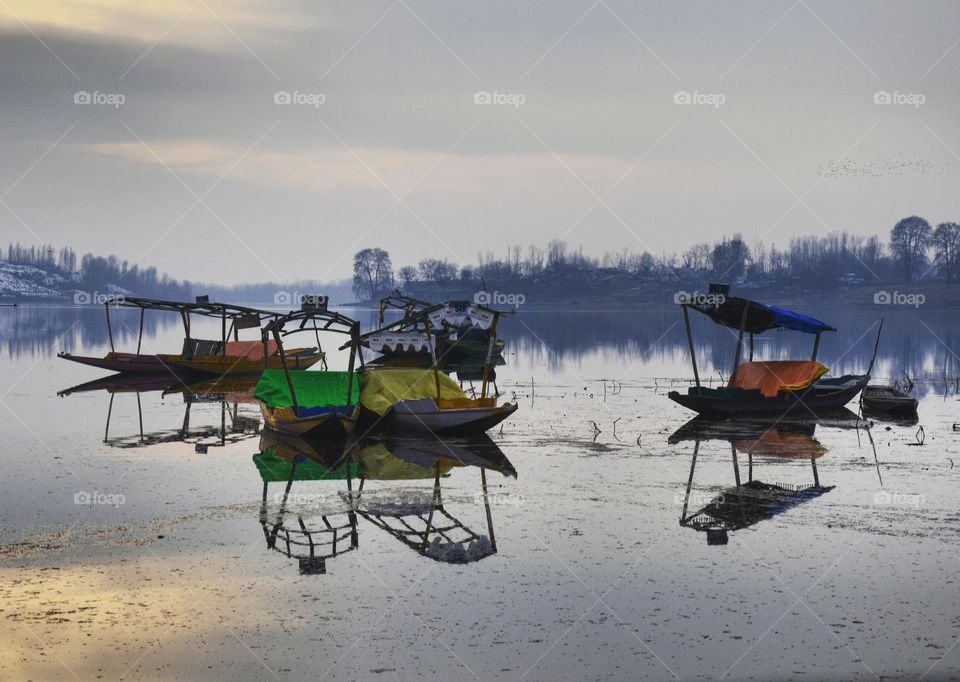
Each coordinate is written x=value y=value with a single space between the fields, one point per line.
x=597 y=559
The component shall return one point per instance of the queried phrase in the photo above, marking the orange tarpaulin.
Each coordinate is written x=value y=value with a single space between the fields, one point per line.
x=777 y=375
x=251 y=350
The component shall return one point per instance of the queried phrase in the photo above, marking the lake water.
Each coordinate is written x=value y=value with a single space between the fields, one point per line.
x=129 y=552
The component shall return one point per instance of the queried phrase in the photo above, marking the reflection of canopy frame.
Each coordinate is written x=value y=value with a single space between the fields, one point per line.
x=240 y=317
x=437 y=522
x=311 y=547
x=748 y=503
x=242 y=427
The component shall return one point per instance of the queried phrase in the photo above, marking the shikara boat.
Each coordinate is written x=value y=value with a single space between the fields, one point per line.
x=319 y=402
x=886 y=400
x=218 y=357
x=778 y=387
x=428 y=400
x=455 y=331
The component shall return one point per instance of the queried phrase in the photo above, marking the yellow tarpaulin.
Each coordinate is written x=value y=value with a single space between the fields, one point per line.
x=777 y=375
x=377 y=463
x=381 y=388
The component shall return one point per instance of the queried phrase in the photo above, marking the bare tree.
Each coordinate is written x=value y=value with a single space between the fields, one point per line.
x=946 y=243
x=909 y=241
x=372 y=273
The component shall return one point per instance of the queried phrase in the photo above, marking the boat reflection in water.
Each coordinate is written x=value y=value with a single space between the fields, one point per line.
x=235 y=423
x=314 y=524
x=750 y=501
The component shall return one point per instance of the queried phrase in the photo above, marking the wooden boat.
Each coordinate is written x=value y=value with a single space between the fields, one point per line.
x=323 y=402
x=429 y=400
x=781 y=387
x=888 y=400
x=198 y=356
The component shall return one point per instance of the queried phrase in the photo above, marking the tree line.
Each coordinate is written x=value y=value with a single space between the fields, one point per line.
x=914 y=250
x=97 y=273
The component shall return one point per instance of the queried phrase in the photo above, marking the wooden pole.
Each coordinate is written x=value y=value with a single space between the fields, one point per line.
x=106 y=307
x=490 y=346
x=693 y=355
x=736 y=465
x=743 y=325
x=140 y=337
x=286 y=370
x=751 y=346
x=354 y=345
x=433 y=356
x=876 y=347
x=816 y=346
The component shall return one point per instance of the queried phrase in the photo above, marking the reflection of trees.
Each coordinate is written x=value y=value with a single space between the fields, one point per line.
x=46 y=330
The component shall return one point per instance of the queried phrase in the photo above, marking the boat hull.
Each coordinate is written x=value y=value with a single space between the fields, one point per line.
x=225 y=364
x=822 y=396
x=423 y=415
x=284 y=420
x=128 y=363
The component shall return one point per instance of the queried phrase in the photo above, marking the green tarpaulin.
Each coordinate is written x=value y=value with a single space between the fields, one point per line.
x=313 y=389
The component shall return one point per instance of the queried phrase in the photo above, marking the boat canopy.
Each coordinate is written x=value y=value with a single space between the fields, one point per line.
x=760 y=316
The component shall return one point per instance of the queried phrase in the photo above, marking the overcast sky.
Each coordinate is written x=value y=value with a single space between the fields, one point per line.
x=586 y=136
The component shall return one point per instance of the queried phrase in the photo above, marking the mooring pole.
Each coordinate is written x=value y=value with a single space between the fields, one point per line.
x=693 y=355
x=743 y=326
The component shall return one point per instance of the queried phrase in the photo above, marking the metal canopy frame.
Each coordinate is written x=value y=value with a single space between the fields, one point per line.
x=322 y=321
x=240 y=317
x=743 y=327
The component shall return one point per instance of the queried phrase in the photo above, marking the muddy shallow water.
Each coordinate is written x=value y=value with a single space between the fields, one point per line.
x=144 y=559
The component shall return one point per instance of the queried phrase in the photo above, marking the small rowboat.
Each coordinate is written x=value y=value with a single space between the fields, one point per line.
x=888 y=400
